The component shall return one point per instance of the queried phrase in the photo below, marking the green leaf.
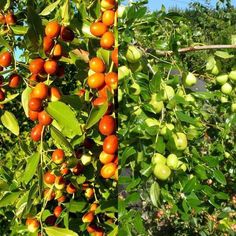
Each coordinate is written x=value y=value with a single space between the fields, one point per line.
x=50 y=8
x=31 y=167
x=25 y=100
x=224 y=55
x=10 y=122
x=4 y=43
x=9 y=199
x=72 y=100
x=65 y=13
x=128 y=152
x=155 y=194
x=138 y=223
x=65 y=117
x=77 y=206
x=185 y=118
x=60 y=139
x=155 y=83
x=114 y=232
x=190 y=185
x=96 y=114
x=219 y=176
x=104 y=54
x=19 y=30
x=52 y=231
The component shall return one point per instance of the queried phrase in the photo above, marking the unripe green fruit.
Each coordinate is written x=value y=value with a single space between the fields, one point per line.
x=223 y=99
x=136 y=67
x=123 y=72
x=158 y=159
x=120 y=95
x=180 y=140
x=216 y=69
x=172 y=161
x=226 y=88
x=162 y=171
x=157 y=105
x=133 y=54
x=137 y=110
x=135 y=89
x=169 y=92
x=233 y=107
x=227 y=155
x=121 y=10
x=222 y=79
x=232 y=75
x=86 y=159
x=189 y=98
x=166 y=127
x=152 y=122
x=190 y=79
x=182 y=166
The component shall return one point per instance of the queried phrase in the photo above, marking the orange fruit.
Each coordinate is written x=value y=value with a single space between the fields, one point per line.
x=108 y=170
x=52 y=29
x=98 y=29
x=97 y=65
x=107 y=41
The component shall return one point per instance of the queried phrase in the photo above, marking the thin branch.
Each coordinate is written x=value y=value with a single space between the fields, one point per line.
x=195 y=48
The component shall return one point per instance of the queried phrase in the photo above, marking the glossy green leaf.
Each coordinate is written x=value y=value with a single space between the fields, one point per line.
x=155 y=194
x=19 y=30
x=219 y=176
x=55 y=231
x=10 y=122
x=25 y=100
x=50 y=8
x=9 y=199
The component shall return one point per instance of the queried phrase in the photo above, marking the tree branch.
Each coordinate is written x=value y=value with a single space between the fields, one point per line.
x=196 y=48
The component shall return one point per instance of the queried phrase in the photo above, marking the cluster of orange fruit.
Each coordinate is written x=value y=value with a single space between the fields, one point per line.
x=7 y=19
x=41 y=70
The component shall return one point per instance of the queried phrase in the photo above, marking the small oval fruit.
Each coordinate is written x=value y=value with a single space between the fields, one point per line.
x=104 y=91
x=10 y=19
x=2 y=95
x=51 y=67
x=222 y=79
x=172 y=161
x=14 y=81
x=2 y=19
x=33 y=115
x=98 y=29
x=108 y=17
x=48 y=44
x=44 y=118
x=114 y=56
x=97 y=65
x=55 y=94
x=67 y=35
x=60 y=183
x=106 y=158
x=40 y=91
x=107 y=40
x=162 y=171
x=36 y=66
x=190 y=79
x=108 y=4
x=52 y=29
x=111 y=79
x=226 y=88
x=180 y=140
x=86 y=159
x=32 y=225
x=110 y=144
x=35 y=104
x=158 y=159
x=5 y=59
x=169 y=92
x=49 y=178
x=37 y=132
x=57 y=211
x=157 y=105
x=89 y=193
x=71 y=189
x=133 y=54
x=107 y=125
x=88 y=217
x=58 y=156
x=96 y=80
x=48 y=194
x=57 y=51
x=232 y=75
x=108 y=170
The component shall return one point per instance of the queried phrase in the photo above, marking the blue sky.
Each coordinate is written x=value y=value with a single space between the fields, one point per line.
x=156 y=4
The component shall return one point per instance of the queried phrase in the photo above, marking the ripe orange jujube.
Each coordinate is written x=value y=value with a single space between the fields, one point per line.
x=35 y=104
x=55 y=94
x=110 y=144
x=2 y=95
x=107 y=41
x=98 y=29
x=108 y=170
x=32 y=225
x=88 y=217
x=44 y=118
x=48 y=194
x=50 y=67
x=49 y=178
x=111 y=79
x=40 y=91
x=114 y=56
x=99 y=101
x=52 y=29
x=108 y=17
x=36 y=133
x=10 y=19
x=96 y=80
x=36 y=66
x=107 y=125
x=2 y=19
x=57 y=51
x=57 y=211
x=67 y=34
x=5 y=59
x=70 y=189
x=97 y=65
x=14 y=81
x=106 y=158
x=58 y=156
x=33 y=115
x=48 y=44
x=104 y=91
x=108 y=4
